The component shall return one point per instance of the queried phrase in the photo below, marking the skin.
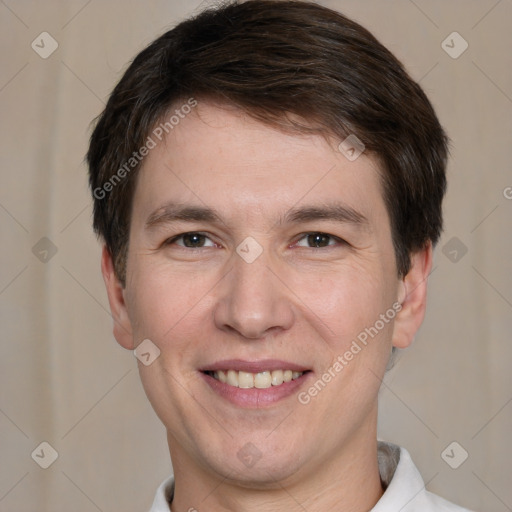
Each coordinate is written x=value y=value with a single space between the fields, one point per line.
x=295 y=302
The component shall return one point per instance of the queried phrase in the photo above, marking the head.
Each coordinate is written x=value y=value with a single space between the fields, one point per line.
x=233 y=128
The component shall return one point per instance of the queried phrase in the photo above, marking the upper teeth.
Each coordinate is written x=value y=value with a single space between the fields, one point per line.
x=260 y=380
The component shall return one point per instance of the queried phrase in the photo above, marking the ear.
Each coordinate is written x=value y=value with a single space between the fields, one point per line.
x=115 y=291
x=413 y=298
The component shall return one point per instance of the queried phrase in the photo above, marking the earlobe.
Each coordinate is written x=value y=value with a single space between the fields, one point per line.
x=413 y=297
x=122 y=326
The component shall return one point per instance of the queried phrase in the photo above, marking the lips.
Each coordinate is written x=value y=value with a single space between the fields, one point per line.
x=254 y=383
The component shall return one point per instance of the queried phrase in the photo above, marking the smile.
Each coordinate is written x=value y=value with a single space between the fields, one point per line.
x=255 y=384
x=260 y=380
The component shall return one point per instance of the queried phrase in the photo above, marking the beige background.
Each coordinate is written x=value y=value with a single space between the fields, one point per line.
x=64 y=380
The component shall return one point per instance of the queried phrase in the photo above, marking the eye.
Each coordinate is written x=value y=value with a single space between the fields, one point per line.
x=191 y=240
x=318 y=240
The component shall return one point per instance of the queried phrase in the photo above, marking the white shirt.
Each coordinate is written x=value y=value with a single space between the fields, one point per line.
x=405 y=490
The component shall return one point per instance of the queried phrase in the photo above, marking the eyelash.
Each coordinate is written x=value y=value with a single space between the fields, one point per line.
x=172 y=241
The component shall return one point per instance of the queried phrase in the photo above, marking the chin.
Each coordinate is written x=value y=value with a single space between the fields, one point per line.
x=251 y=467
x=269 y=475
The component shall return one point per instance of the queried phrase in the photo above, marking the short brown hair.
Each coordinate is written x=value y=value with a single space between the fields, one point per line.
x=273 y=58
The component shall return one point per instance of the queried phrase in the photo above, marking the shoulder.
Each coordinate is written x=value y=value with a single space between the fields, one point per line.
x=405 y=489
x=435 y=502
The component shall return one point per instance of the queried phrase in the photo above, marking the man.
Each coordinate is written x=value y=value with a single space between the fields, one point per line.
x=267 y=184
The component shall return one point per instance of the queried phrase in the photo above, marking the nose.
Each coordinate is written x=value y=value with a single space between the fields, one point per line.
x=253 y=300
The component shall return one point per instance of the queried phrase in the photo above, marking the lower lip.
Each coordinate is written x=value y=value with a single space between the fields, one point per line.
x=255 y=397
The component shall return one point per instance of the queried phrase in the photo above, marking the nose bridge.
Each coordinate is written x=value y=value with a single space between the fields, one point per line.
x=253 y=301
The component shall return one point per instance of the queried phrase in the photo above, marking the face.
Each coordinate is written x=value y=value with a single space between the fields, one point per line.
x=257 y=259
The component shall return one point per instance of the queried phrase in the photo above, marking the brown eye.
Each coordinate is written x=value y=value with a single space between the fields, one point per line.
x=192 y=240
x=317 y=240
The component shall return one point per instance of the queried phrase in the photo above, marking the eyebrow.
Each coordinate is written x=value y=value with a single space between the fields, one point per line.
x=172 y=212
x=336 y=212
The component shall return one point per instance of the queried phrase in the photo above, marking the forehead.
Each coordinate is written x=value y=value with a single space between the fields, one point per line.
x=219 y=157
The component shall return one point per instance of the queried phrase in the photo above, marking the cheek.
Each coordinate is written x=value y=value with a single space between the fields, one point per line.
x=165 y=303
x=169 y=310
x=344 y=302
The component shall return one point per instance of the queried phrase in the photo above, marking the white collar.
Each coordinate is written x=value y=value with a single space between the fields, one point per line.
x=405 y=490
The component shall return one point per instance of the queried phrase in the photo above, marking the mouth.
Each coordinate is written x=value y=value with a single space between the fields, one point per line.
x=260 y=380
x=254 y=384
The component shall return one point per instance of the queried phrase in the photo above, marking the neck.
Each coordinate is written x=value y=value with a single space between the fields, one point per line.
x=349 y=480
